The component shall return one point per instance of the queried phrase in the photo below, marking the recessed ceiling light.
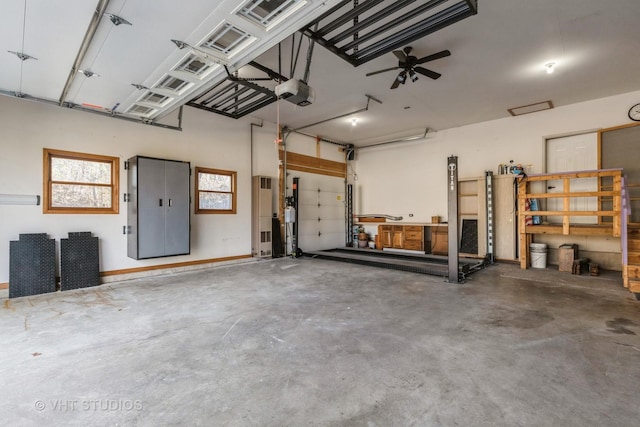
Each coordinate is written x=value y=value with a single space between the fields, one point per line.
x=354 y=121
x=550 y=67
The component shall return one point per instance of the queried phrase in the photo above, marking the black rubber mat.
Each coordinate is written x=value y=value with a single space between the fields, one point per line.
x=79 y=261
x=469 y=238
x=32 y=265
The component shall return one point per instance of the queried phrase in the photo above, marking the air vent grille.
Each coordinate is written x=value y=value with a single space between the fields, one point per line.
x=265 y=183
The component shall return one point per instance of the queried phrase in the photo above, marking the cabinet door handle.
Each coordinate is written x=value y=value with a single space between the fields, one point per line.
x=160 y=202
x=170 y=202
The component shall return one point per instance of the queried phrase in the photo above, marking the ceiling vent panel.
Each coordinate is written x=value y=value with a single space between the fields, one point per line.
x=268 y=13
x=228 y=40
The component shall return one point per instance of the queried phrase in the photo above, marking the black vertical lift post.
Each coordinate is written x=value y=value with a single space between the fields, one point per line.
x=452 y=215
x=488 y=176
x=294 y=226
x=349 y=234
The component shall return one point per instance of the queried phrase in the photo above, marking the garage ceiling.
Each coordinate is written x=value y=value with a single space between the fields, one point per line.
x=497 y=62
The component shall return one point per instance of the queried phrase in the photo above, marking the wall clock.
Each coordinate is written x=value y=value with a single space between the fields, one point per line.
x=634 y=113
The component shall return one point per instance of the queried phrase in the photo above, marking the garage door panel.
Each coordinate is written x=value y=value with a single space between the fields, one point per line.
x=326 y=204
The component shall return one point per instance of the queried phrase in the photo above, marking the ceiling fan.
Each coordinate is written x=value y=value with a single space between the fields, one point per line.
x=409 y=65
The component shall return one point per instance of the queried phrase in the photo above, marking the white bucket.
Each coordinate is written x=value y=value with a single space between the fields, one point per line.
x=538 y=255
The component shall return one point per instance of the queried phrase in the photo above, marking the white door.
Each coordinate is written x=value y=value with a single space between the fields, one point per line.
x=321 y=211
x=569 y=154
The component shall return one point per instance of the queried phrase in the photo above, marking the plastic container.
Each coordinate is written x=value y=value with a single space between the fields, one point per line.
x=538 y=252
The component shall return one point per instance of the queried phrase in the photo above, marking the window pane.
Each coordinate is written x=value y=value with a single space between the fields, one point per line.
x=80 y=196
x=80 y=171
x=214 y=182
x=214 y=201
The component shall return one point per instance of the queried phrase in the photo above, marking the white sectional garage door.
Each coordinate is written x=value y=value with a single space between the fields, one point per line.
x=321 y=210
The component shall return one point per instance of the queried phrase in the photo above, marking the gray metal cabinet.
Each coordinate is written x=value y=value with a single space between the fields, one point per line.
x=158 y=211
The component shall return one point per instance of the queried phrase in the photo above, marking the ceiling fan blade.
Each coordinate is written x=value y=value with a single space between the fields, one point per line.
x=427 y=73
x=441 y=54
x=395 y=84
x=400 y=55
x=382 y=71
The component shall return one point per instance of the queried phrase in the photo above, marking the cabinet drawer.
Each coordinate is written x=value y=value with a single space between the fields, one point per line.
x=415 y=245
x=415 y=228
x=413 y=235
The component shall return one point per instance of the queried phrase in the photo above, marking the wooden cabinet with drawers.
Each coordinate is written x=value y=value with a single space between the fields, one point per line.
x=431 y=238
x=413 y=237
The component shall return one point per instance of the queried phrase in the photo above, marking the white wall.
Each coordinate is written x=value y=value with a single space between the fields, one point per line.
x=207 y=140
x=397 y=179
x=410 y=178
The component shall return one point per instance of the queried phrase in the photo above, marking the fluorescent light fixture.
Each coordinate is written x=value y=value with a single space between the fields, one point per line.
x=531 y=108
x=19 y=199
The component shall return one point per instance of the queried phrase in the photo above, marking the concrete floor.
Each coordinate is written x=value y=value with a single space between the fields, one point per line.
x=314 y=342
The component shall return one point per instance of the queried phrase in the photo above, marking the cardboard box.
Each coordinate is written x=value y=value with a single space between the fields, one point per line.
x=567 y=253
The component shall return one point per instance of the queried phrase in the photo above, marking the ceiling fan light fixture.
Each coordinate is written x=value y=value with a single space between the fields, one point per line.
x=413 y=75
x=402 y=77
